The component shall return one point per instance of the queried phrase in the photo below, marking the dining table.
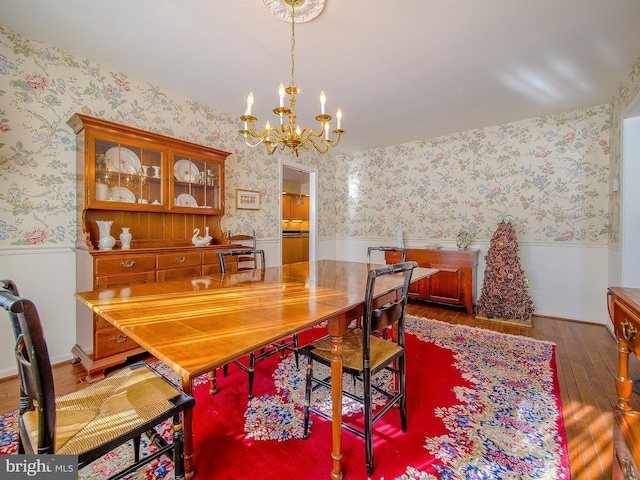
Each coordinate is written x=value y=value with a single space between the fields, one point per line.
x=195 y=325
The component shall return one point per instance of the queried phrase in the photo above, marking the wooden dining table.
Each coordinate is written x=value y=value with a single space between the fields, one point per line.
x=195 y=325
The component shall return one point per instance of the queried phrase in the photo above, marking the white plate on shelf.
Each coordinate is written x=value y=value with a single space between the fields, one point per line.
x=121 y=194
x=186 y=171
x=186 y=200
x=120 y=159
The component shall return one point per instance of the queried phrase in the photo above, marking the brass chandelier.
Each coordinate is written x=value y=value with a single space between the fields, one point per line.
x=289 y=133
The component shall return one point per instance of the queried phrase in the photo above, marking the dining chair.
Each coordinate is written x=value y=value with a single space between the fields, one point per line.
x=363 y=356
x=278 y=347
x=401 y=250
x=246 y=262
x=96 y=419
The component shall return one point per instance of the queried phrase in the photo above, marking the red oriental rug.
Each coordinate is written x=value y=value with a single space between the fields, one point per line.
x=481 y=405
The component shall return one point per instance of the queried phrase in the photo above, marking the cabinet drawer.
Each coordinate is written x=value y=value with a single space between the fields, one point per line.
x=112 y=281
x=178 y=260
x=625 y=445
x=125 y=264
x=210 y=258
x=627 y=326
x=110 y=341
x=211 y=269
x=175 y=273
x=393 y=257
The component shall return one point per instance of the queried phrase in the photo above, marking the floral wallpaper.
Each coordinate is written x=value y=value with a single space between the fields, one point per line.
x=627 y=92
x=41 y=87
x=548 y=175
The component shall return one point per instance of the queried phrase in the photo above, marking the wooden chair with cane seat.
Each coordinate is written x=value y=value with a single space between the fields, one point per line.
x=245 y=262
x=96 y=419
x=364 y=355
x=279 y=347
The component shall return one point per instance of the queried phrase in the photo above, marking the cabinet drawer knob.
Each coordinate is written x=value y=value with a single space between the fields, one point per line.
x=127 y=263
x=119 y=339
x=628 y=331
x=181 y=259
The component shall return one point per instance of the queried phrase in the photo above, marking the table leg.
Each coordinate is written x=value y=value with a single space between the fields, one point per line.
x=336 y=406
x=187 y=424
x=624 y=385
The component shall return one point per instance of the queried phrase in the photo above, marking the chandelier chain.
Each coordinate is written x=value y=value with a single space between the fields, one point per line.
x=293 y=45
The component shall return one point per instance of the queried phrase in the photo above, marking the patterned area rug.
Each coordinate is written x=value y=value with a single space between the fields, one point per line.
x=482 y=405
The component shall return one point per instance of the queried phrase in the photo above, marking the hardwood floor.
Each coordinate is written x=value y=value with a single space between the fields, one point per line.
x=587 y=361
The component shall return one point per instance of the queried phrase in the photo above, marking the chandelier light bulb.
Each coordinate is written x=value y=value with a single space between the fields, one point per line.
x=323 y=102
x=339 y=117
x=249 y=103
x=281 y=93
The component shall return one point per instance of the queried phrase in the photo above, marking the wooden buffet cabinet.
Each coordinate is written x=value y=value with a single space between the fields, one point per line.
x=455 y=281
x=162 y=189
x=624 y=310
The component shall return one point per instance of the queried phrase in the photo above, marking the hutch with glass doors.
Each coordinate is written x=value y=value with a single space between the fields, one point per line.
x=166 y=193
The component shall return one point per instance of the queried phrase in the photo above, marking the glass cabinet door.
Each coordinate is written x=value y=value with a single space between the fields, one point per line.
x=127 y=174
x=196 y=183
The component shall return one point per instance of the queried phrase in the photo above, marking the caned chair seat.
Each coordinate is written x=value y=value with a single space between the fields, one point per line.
x=382 y=351
x=98 y=413
x=96 y=419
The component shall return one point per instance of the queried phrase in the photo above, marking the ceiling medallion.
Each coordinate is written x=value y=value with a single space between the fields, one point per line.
x=306 y=10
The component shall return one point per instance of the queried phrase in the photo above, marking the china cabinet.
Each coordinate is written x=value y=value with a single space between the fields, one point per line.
x=456 y=278
x=159 y=188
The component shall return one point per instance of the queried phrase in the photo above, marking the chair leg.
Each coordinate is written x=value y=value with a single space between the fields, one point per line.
x=368 y=421
x=213 y=385
x=252 y=366
x=136 y=449
x=225 y=370
x=295 y=351
x=403 y=391
x=307 y=398
x=178 y=447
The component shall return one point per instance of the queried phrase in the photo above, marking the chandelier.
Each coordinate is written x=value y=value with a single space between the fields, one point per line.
x=289 y=133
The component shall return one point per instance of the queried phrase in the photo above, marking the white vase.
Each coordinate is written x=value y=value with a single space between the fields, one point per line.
x=106 y=241
x=125 y=238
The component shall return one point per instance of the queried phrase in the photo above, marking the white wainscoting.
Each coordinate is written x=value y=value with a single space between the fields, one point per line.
x=46 y=276
x=567 y=281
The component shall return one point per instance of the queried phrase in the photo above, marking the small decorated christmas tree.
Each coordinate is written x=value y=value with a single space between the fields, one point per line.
x=504 y=290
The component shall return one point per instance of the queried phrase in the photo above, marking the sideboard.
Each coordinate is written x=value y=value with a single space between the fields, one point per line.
x=454 y=283
x=624 y=310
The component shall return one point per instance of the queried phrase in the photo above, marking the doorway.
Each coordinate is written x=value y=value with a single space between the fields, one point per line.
x=630 y=198
x=298 y=202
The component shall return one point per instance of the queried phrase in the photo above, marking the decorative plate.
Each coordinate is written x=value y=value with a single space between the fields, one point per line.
x=186 y=171
x=121 y=194
x=186 y=200
x=120 y=159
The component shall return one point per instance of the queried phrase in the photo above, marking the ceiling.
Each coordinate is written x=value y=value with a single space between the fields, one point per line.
x=400 y=70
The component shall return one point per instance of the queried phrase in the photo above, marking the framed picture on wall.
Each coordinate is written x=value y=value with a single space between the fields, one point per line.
x=247 y=199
